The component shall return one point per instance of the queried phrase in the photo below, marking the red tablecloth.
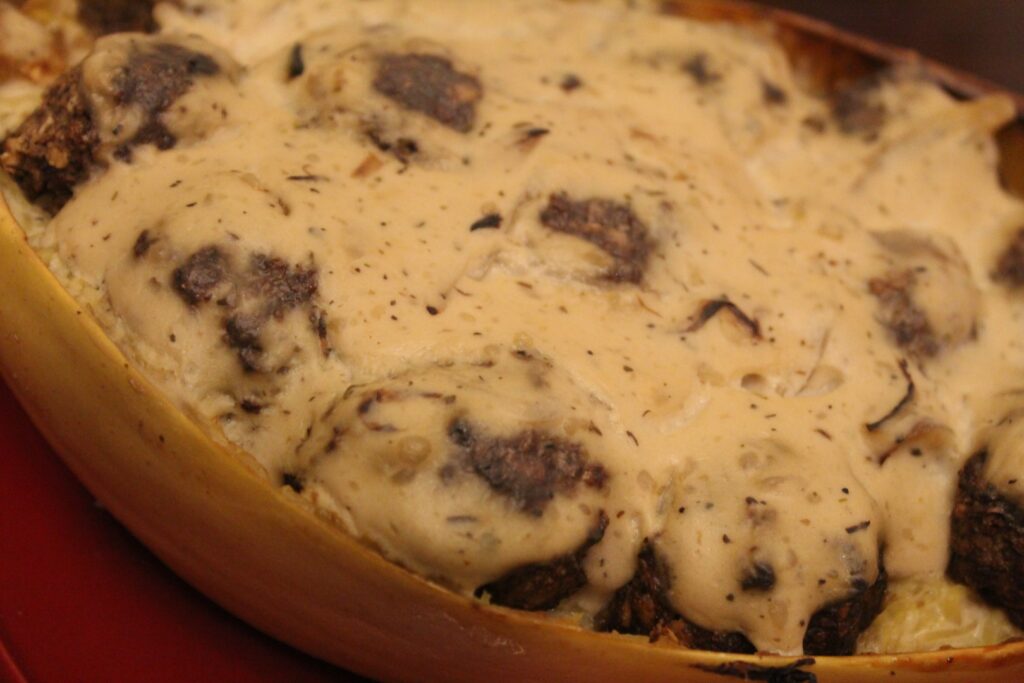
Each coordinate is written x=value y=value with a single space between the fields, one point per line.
x=81 y=600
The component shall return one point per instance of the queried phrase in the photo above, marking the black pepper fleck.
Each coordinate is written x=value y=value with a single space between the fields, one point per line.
x=142 y=244
x=488 y=222
x=296 y=64
x=570 y=82
x=858 y=527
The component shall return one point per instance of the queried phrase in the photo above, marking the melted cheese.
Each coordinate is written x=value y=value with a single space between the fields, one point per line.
x=728 y=444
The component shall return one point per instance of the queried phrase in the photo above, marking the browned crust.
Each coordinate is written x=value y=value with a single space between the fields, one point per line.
x=709 y=309
x=834 y=629
x=52 y=151
x=543 y=585
x=642 y=607
x=745 y=671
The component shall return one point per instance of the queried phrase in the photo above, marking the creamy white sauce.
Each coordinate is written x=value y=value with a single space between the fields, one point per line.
x=741 y=198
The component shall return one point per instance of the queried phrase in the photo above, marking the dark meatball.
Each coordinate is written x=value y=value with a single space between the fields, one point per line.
x=430 y=85
x=281 y=286
x=608 y=225
x=251 y=298
x=699 y=68
x=541 y=586
x=834 y=629
x=528 y=468
x=57 y=147
x=1010 y=267
x=642 y=607
x=151 y=80
x=200 y=274
x=986 y=550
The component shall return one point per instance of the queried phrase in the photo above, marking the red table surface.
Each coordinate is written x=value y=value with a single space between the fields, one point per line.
x=83 y=601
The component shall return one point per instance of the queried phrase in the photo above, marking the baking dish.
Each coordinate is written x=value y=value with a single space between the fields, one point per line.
x=274 y=563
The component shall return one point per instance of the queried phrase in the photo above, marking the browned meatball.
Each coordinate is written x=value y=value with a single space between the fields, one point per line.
x=432 y=86
x=201 y=273
x=834 y=629
x=58 y=146
x=251 y=298
x=608 y=225
x=986 y=550
x=528 y=468
x=642 y=607
x=541 y=586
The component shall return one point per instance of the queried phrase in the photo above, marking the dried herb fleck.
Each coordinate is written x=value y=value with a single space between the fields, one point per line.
x=143 y=242
x=570 y=82
x=759 y=576
x=712 y=308
x=698 y=68
x=772 y=94
x=908 y=396
x=296 y=63
x=490 y=221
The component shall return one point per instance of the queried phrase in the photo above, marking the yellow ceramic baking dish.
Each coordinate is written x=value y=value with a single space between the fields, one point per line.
x=266 y=557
